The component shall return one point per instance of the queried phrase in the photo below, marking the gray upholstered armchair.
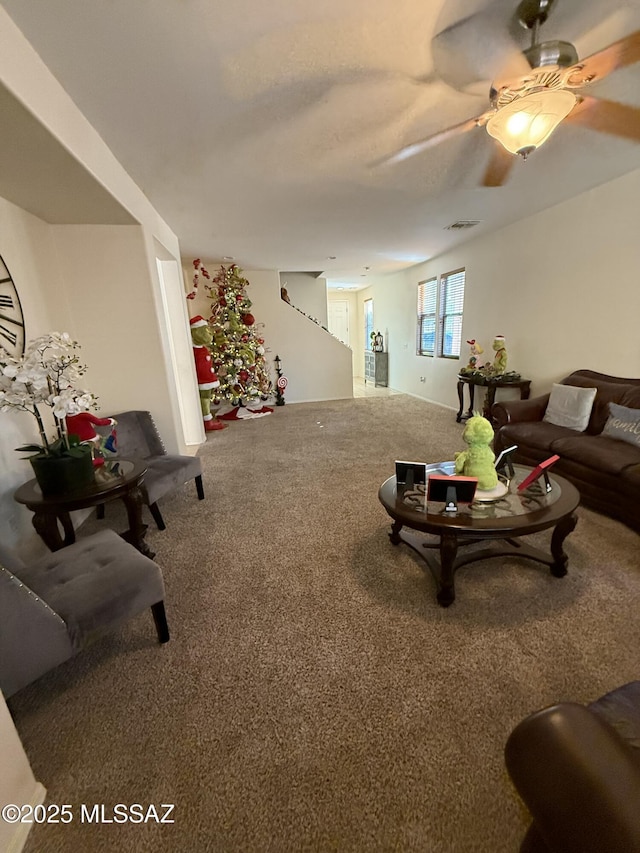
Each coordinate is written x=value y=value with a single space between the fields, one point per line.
x=138 y=438
x=52 y=607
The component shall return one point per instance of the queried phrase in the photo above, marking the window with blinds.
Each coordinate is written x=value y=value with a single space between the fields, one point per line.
x=427 y=297
x=368 y=323
x=450 y=313
x=440 y=307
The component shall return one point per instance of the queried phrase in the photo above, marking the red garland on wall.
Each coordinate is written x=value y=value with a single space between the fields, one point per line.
x=199 y=270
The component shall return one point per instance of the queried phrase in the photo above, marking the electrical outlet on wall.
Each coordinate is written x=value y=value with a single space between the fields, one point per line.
x=423 y=379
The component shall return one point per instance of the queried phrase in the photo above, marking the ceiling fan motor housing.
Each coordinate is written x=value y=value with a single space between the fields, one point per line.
x=560 y=53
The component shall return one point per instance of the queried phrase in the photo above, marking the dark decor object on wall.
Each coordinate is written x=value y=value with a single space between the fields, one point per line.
x=11 y=318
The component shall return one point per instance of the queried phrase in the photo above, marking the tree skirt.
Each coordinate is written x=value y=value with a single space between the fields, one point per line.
x=243 y=413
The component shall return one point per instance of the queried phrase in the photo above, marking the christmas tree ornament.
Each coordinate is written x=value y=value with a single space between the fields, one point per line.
x=238 y=352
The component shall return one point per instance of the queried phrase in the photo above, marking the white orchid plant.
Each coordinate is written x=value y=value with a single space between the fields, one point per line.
x=46 y=375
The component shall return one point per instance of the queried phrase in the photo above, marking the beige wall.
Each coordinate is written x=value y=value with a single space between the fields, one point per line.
x=108 y=302
x=97 y=282
x=317 y=365
x=28 y=251
x=560 y=285
x=308 y=293
x=355 y=322
x=17 y=782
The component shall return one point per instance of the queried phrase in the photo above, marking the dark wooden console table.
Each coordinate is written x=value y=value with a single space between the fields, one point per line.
x=121 y=480
x=491 y=383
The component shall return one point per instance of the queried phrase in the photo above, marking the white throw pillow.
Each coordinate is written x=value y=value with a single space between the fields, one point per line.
x=570 y=406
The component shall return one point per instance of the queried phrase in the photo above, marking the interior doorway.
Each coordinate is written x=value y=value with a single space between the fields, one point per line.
x=339 y=319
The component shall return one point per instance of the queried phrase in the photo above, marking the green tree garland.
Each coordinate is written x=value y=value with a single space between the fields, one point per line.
x=237 y=349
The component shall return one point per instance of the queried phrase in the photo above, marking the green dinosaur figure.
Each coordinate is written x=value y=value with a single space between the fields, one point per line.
x=478 y=461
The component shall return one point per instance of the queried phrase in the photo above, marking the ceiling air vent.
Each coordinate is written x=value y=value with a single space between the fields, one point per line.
x=461 y=224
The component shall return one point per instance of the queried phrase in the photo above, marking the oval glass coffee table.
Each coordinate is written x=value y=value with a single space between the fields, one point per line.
x=500 y=523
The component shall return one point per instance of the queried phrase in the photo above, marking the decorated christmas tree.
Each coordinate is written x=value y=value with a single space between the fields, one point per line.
x=238 y=351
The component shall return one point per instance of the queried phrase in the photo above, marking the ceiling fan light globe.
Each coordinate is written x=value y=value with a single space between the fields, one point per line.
x=527 y=122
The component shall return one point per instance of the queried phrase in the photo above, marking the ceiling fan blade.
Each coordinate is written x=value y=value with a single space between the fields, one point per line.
x=621 y=53
x=607 y=117
x=434 y=139
x=499 y=167
x=471 y=52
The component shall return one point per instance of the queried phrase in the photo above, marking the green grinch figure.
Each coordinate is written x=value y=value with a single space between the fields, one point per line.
x=478 y=461
x=500 y=360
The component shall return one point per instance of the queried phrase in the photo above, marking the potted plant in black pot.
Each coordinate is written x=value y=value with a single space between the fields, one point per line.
x=47 y=376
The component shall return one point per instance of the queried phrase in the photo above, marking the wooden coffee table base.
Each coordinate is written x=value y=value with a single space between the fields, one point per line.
x=444 y=568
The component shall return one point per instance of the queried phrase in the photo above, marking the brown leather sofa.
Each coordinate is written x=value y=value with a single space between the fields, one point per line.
x=605 y=470
x=577 y=769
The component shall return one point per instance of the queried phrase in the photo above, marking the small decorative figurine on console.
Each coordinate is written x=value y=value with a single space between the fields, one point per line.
x=201 y=336
x=82 y=425
x=474 y=352
x=500 y=359
x=377 y=342
x=478 y=461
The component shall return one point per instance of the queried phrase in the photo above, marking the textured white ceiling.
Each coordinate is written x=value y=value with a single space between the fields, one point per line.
x=252 y=126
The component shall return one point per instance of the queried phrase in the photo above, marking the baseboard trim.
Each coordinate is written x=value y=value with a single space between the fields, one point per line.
x=19 y=837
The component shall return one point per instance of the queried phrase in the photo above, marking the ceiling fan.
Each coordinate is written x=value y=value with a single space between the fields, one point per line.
x=525 y=109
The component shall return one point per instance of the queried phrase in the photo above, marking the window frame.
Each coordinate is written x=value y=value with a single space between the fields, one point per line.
x=424 y=316
x=368 y=315
x=449 y=287
x=444 y=291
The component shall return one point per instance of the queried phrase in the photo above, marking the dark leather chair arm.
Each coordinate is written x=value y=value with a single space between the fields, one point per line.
x=519 y=411
x=579 y=779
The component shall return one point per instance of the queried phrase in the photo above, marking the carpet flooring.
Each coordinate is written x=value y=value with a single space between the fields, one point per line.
x=314 y=696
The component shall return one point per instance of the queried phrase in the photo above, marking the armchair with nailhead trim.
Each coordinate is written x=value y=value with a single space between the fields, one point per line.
x=137 y=437
x=53 y=607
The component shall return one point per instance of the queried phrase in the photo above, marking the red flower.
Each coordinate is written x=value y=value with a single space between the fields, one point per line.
x=196 y=263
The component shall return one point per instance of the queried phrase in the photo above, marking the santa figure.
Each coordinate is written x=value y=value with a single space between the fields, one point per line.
x=83 y=426
x=208 y=381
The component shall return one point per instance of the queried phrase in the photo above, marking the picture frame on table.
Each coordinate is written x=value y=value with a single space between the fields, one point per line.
x=410 y=474
x=541 y=470
x=451 y=490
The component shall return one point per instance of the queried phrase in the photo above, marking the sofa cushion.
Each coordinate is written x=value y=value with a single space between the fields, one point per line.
x=598 y=452
x=537 y=434
x=621 y=709
x=570 y=406
x=623 y=424
x=95 y=584
x=608 y=391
